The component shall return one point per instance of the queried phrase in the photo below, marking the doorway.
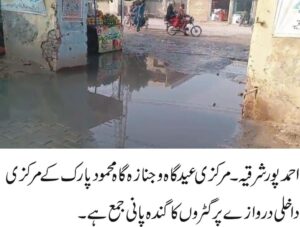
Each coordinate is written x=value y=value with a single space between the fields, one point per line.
x=219 y=10
x=2 y=49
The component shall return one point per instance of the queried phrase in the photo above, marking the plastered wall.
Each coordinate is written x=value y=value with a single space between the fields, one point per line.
x=25 y=33
x=50 y=40
x=199 y=9
x=273 y=87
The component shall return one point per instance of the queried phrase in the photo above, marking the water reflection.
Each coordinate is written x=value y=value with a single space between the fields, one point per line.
x=117 y=101
x=161 y=75
x=117 y=76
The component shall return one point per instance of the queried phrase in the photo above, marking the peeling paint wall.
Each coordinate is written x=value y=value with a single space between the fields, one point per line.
x=48 y=40
x=273 y=87
x=24 y=34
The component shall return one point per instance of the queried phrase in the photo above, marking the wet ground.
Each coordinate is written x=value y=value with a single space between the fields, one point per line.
x=121 y=100
x=160 y=92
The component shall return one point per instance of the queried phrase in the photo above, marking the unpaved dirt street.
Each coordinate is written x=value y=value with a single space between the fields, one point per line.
x=190 y=55
x=160 y=92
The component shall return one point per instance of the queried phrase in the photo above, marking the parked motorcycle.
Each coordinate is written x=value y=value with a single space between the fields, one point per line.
x=175 y=25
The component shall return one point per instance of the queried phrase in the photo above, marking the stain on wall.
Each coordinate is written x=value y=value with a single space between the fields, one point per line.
x=24 y=34
x=24 y=31
x=273 y=72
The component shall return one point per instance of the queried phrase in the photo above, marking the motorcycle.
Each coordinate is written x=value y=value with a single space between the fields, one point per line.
x=176 y=24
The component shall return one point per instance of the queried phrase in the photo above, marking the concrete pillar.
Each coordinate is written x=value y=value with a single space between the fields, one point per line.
x=230 y=12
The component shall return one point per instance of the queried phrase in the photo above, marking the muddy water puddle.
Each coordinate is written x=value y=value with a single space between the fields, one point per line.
x=120 y=101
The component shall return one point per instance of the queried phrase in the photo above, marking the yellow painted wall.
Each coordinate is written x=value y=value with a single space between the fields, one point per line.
x=274 y=68
x=199 y=9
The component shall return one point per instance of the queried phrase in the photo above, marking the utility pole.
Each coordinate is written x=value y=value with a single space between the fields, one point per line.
x=122 y=11
x=253 y=11
x=231 y=9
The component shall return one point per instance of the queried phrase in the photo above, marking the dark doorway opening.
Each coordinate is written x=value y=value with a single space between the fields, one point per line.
x=220 y=4
x=2 y=49
x=243 y=5
x=92 y=37
x=92 y=40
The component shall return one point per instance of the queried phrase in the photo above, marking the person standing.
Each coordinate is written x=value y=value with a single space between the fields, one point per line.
x=170 y=11
x=181 y=10
x=182 y=15
x=140 y=15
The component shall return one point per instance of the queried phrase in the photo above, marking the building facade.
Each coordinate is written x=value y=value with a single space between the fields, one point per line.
x=50 y=33
x=202 y=10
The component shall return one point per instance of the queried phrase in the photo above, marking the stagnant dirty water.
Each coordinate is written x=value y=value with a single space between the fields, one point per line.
x=120 y=100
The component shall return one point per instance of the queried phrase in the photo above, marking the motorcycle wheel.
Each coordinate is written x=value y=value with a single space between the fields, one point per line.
x=167 y=27
x=172 y=30
x=196 y=31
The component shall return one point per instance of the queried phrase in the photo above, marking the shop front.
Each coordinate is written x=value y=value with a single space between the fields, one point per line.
x=87 y=27
x=59 y=33
x=104 y=28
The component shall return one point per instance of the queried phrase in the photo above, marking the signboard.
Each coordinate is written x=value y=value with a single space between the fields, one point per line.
x=24 y=6
x=287 y=21
x=72 y=10
x=110 y=38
